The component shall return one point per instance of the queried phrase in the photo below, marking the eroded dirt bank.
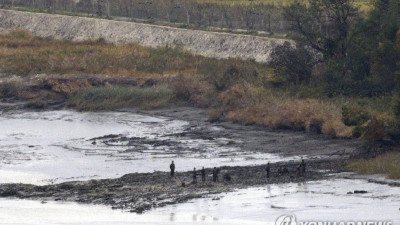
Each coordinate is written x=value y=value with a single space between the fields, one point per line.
x=209 y=44
x=142 y=191
x=255 y=138
x=44 y=91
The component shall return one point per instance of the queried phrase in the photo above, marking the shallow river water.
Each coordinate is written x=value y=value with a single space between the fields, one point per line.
x=57 y=146
x=312 y=201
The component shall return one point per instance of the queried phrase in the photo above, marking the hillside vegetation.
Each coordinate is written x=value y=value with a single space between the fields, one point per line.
x=241 y=91
x=342 y=79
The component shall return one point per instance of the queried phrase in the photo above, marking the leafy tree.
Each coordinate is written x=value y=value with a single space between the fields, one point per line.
x=294 y=65
x=324 y=25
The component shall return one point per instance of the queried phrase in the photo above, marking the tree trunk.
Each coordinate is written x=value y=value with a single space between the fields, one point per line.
x=108 y=9
x=187 y=17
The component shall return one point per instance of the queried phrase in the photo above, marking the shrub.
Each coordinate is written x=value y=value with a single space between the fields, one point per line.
x=355 y=115
x=214 y=115
x=375 y=131
x=8 y=90
x=223 y=74
x=293 y=65
x=197 y=92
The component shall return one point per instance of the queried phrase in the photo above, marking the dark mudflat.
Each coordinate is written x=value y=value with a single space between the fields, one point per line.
x=142 y=191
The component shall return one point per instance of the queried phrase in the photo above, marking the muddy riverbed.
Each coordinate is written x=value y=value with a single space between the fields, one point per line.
x=325 y=200
x=120 y=159
x=54 y=146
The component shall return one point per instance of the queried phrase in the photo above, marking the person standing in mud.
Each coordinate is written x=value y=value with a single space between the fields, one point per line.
x=215 y=174
x=172 y=168
x=303 y=167
x=194 y=176
x=298 y=170
x=268 y=169
x=203 y=174
x=285 y=170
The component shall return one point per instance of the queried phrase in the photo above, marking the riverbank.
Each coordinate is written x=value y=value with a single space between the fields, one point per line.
x=133 y=76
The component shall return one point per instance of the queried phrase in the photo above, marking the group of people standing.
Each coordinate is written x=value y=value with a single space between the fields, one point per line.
x=300 y=169
x=202 y=173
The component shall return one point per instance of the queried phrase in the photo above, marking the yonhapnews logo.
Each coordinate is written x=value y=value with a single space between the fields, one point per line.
x=286 y=220
x=291 y=220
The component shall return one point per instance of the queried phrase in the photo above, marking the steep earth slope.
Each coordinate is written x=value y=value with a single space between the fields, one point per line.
x=209 y=44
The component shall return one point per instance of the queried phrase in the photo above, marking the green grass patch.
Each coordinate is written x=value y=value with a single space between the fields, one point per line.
x=388 y=163
x=115 y=97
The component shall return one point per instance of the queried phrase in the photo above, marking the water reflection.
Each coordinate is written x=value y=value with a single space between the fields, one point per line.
x=325 y=200
x=172 y=217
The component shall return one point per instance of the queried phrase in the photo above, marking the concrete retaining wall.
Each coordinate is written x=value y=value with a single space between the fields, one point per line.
x=209 y=44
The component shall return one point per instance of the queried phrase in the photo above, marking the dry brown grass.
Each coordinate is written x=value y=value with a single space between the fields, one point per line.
x=255 y=106
x=193 y=89
x=236 y=89
x=23 y=54
x=388 y=163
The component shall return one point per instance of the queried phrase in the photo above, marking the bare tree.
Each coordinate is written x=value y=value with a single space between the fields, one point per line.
x=187 y=6
x=167 y=6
